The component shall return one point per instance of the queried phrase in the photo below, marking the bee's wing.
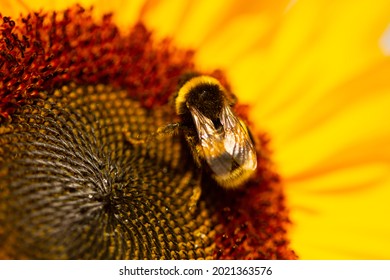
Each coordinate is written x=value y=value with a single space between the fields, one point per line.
x=227 y=148
x=237 y=140
x=212 y=143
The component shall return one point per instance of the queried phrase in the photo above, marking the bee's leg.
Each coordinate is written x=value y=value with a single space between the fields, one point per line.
x=161 y=132
x=131 y=138
x=167 y=130
x=196 y=149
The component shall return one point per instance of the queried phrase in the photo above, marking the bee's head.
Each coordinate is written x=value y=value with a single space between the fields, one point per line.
x=204 y=93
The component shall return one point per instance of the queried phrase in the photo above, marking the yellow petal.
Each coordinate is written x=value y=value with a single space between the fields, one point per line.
x=126 y=13
x=164 y=17
x=315 y=46
x=349 y=224
x=357 y=133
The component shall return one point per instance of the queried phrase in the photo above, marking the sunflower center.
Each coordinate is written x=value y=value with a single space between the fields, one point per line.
x=73 y=187
x=71 y=184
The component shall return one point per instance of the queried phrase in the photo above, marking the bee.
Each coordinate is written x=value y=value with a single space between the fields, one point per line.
x=219 y=141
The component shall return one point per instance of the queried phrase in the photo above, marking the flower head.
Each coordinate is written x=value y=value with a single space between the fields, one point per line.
x=316 y=77
x=72 y=185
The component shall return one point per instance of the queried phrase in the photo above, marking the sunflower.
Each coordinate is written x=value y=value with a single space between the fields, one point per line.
x=313 y=74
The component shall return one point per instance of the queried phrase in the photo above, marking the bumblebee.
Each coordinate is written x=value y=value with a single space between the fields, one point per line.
x=219 y=141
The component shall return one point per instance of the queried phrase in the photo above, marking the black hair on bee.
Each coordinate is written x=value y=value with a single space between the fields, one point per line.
x=219 y=141
x=216 y=136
